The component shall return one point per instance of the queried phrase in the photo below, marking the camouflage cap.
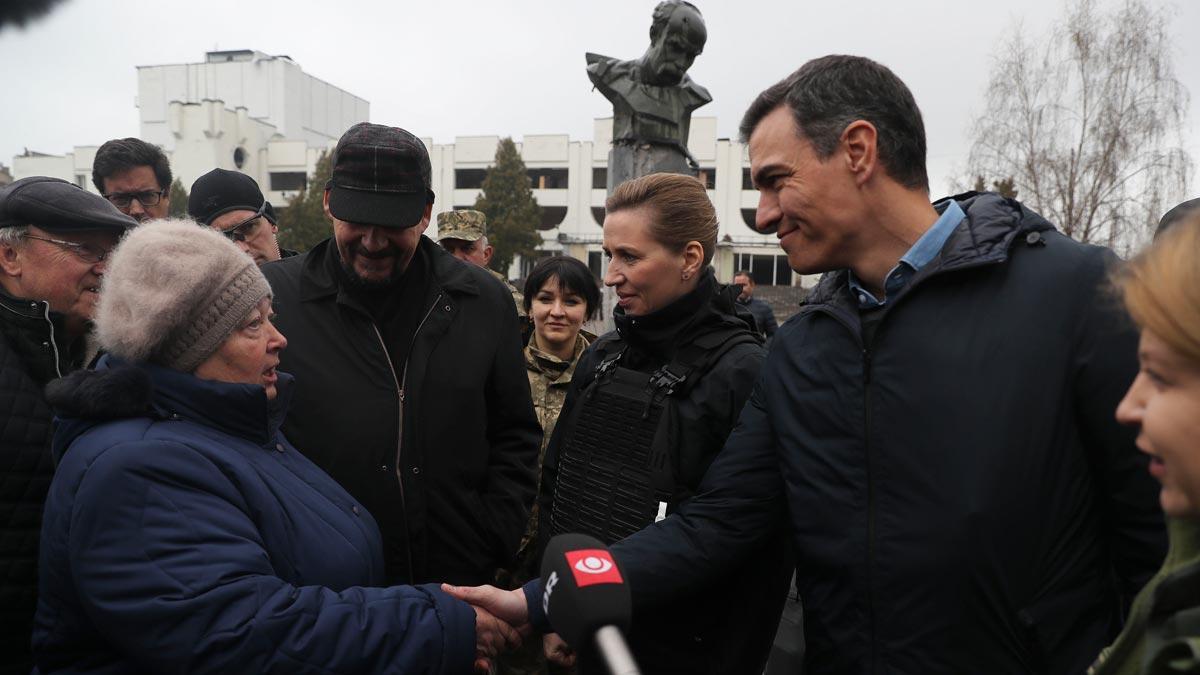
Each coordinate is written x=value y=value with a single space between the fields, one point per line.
x=465 y=224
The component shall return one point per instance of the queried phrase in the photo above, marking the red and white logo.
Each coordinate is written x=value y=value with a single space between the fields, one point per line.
x=593 y=566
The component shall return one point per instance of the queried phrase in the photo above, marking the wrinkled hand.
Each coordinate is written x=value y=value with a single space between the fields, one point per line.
x=557 y=651
x=508 y=606
x=492 y=637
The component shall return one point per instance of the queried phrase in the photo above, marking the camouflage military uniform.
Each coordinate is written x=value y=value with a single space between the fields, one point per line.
x=517 y=296
x=471 y=225
x=549 y=379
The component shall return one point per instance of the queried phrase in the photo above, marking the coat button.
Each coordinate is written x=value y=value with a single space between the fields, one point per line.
x=355 y=509
x=447 y=308
x=1034 y=238
x=416 y=470
x=383 y=468
x=279 y=447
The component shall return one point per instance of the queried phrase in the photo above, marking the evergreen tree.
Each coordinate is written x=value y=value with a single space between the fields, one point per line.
x=179 y=199
x=1005 y=186
x=303 y=223
x=512 y=212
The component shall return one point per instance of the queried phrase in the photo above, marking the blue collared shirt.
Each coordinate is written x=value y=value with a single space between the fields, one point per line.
x=917 y=257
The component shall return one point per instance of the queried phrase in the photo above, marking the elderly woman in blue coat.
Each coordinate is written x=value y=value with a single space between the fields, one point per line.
x=183 y=533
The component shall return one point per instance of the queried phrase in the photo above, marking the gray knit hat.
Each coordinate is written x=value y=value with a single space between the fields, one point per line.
x=173 y=292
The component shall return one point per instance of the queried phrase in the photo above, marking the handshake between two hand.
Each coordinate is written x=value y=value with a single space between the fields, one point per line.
x=501 y=622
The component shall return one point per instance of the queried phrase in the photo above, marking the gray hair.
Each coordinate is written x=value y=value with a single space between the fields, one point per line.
x=13 y=234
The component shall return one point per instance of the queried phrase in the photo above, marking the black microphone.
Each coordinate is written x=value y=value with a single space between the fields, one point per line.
x=586 y=599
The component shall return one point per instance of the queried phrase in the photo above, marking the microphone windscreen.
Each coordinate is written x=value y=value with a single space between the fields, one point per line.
x=583 y=588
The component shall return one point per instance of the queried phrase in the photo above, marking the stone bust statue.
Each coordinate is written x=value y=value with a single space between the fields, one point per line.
x=653 y=97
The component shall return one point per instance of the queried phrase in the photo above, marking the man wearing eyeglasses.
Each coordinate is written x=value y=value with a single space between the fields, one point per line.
x=135 y=176
x=54 y=241
x=232 y=203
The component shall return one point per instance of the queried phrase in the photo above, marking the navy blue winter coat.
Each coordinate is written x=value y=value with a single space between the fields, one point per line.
x=183 y=533
x=960 y=497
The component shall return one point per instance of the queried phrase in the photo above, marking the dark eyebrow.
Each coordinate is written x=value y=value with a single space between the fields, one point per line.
x=757 y=178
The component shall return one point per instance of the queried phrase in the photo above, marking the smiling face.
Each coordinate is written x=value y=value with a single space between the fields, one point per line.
x=813 y=204
x=1164 y=403
x=646 y=275
x=558 y=314
x=59 y=274
x=250 y=354
x=376 y=256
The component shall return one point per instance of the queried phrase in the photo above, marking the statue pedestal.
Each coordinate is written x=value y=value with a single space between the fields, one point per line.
x=627 y=161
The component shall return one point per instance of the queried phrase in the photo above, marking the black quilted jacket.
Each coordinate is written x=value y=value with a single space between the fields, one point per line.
x=33 y=351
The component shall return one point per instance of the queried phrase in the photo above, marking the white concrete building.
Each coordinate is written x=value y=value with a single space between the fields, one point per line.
x=569 y=180
x=244 y=110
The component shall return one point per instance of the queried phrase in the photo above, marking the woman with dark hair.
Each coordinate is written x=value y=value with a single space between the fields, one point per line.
x=182 y=532
x=560 y=295
x=648 y=410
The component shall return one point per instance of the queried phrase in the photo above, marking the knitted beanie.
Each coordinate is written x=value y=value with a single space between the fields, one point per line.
x=172 y=292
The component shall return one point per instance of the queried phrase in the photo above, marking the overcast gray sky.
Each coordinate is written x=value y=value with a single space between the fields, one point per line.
x=466 y=67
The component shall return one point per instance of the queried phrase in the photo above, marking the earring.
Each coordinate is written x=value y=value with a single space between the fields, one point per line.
x=686 y=276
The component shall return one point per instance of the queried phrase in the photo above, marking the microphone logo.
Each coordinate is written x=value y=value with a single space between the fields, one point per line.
x=593 y=566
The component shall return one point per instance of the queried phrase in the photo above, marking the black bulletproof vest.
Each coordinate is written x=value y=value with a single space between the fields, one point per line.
x=616 y=466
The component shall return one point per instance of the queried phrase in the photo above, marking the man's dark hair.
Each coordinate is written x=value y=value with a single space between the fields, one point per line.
x=829 y=93
x=742 y=273
x=1176 y=214
x=123 y=154
x=573 y=277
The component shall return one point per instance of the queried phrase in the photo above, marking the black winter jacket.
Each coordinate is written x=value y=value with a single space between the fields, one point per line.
x=960 y=495
x=440 y=448
x=33 y=351
x=726 y=626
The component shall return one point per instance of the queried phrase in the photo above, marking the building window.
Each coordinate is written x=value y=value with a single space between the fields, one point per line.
x=596 y=263
x=747 y=183
x=81 y=180
x=708 y=176
x=748 y=216
x=239 y=157
x=552 y=216
x=765 y=270
x=548 y=179
x=288 y=180
x=598 y=215
x=600 y=178
x=469 y=179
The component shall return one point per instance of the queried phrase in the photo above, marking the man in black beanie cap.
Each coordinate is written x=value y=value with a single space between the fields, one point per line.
x=231 y=203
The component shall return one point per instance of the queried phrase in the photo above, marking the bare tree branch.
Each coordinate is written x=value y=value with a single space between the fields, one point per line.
x=1088 y=122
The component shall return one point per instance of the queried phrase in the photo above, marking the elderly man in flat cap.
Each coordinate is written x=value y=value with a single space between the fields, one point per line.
x=54 y=240
x=231 y=203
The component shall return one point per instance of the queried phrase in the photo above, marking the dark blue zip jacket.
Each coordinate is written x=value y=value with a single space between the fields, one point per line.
x=960 y=496
x=183 y=533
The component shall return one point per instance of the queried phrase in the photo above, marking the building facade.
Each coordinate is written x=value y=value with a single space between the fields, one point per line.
x=264 y=116
x=569 y=179
x=244 y=110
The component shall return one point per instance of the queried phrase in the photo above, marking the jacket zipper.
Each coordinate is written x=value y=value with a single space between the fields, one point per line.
x=399 y=436
x=400 y=384
x=866 y=365
x=53 y=342
x=866 y=355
